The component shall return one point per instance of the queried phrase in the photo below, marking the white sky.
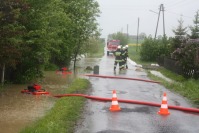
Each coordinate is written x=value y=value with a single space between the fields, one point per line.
x=117 y=14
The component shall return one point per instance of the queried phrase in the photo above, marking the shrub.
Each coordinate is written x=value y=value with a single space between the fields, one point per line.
x=51 y=67
x=151 y=49
x=187 y=58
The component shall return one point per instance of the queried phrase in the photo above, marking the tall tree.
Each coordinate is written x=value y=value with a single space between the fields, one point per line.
x=120 y=36
x=82 y=14
x=180 y=34
x=195 y=29
x=34 y=56
x=46 y=26
x=56 y=32
x=11 y=31
x=180 y=31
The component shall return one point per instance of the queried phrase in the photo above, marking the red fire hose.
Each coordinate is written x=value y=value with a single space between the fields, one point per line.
x=130 y=101
x=116 y=77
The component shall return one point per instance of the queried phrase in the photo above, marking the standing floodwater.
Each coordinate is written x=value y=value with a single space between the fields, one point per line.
x=18 y=110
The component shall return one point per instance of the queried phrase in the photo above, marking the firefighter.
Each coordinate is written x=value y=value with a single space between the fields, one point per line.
x=126 y=56
x=123 y=55
x=118 y=59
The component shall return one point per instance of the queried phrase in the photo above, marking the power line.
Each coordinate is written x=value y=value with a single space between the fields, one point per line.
x=177 y=3
x=181 y=3
x=179 y=14
x=174 y=3
x=153 y=11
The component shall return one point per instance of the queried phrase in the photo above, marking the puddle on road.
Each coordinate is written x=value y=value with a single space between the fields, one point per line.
x=145 y=110
x=118 y=92
x=113 y=131
x=18 y=110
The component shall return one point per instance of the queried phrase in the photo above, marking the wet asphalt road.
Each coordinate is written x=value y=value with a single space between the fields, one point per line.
x=133 y=118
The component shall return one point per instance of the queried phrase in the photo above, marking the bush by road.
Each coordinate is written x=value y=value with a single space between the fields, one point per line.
x=188 y=88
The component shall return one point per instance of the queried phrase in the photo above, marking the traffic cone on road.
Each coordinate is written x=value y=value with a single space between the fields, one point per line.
x=164 y=107
x=115 y=106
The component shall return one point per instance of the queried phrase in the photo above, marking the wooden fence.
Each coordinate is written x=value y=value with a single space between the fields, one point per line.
x=174 y=66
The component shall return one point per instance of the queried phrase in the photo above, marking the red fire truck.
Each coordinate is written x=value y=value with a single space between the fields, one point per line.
x=112 y=46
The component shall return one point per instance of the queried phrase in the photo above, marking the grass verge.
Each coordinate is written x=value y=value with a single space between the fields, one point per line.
x=65 y=113
x=188 y=88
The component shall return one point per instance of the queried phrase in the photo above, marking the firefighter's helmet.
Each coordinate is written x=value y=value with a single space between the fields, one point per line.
x=119 y=47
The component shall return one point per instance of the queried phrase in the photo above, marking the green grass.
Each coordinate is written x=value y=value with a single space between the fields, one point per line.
x=171 y=75
x=188 y=88
x=133 y=54
x=65 y=113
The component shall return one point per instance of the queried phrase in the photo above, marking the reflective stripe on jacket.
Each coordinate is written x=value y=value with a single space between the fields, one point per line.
x=117 y=54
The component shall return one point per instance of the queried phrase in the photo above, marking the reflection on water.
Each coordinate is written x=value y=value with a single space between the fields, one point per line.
x=18 y=110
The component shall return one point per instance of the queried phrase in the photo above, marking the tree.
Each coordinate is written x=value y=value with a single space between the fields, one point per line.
x=83 y=24
x=11 y=32
x=180 y=33
x=142 y=36
x=58 y=32
x=36 y=41
x=185 y=52
x=152 y=49
x=38 y=33
x=195 y=29
x=160 y=37
x=120 y=36
x=93 y=45
x=187 y=57
x=46 y=25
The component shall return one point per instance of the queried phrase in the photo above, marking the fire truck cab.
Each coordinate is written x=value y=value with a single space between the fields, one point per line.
x=112 y=46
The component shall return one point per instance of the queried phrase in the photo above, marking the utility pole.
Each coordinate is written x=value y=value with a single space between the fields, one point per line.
x=137 y=33
x=158 y=21
x=160 y=9
x=163 y=21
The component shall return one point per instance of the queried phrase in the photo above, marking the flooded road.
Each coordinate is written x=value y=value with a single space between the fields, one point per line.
x=135 y=118
x=18 y=110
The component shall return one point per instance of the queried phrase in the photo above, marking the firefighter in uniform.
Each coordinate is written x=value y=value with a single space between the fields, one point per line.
x=118 y=58
x=125 y=57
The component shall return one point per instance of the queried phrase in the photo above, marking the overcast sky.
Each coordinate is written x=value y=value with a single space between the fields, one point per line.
x=117 y=14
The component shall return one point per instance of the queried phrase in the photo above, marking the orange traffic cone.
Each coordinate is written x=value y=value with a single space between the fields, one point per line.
x=114 y=106
x=164 y=107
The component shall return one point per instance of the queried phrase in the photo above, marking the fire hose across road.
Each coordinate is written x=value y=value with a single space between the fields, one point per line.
x=129 y=101
x=117 y=77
